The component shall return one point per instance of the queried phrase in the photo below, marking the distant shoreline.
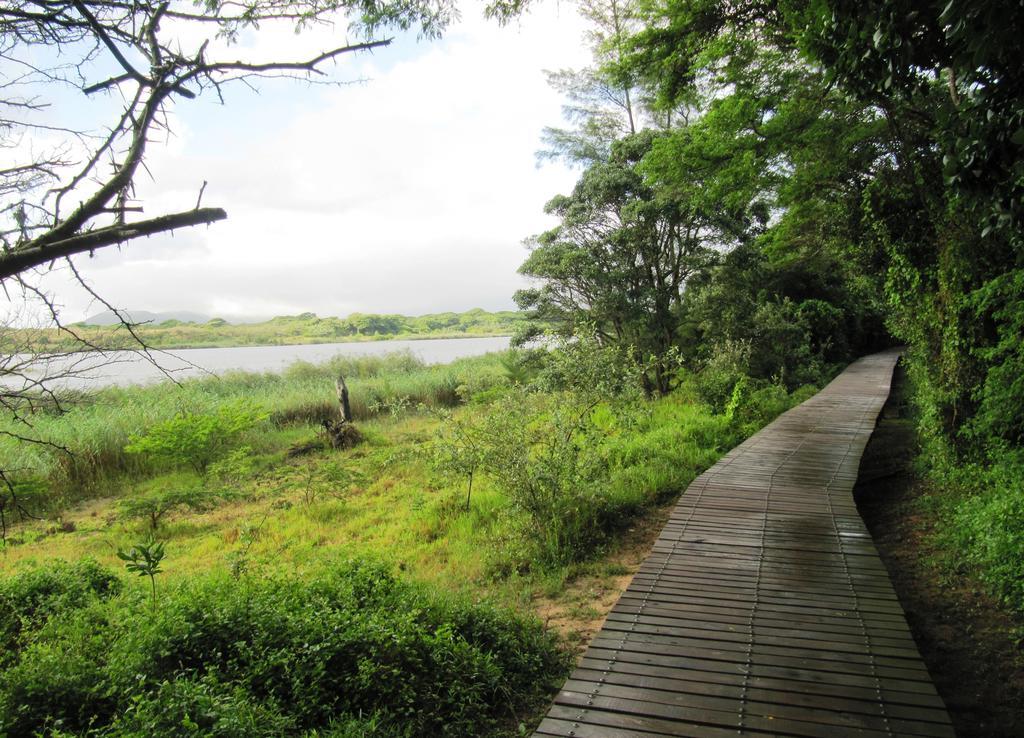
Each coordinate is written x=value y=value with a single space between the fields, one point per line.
x=286 y=341
x=288 y=330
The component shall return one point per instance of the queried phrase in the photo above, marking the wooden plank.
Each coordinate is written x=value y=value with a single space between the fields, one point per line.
x=763 y=607
x=867 y=703
x=837 y=621
x=708 y=666
x=604 y=723
x=865 y=690
x=826 y=713
x=742 y=626
x=763 y=636
x=812 y=588
x=822 y=660
x=705 y=716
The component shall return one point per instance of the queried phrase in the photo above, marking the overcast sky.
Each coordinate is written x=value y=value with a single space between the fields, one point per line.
x=410 y=192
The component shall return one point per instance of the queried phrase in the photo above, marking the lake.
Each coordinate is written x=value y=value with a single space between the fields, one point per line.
x=128 y=367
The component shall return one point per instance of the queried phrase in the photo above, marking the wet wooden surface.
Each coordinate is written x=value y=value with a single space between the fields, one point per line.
x=763 y=607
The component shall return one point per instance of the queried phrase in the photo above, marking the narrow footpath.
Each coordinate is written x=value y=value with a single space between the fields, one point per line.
x=763 y=607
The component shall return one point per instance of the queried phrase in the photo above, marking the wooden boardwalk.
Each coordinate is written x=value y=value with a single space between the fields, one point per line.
x=763 y=608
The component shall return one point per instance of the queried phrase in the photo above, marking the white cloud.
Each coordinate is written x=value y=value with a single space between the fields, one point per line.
x=409 y=193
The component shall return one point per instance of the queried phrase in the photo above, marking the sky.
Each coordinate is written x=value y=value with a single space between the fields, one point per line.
x=408 y=192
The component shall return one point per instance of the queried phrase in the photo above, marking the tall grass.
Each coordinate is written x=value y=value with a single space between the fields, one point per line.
x=85 y=444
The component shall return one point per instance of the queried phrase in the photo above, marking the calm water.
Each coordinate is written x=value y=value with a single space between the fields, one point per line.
x=123 y=367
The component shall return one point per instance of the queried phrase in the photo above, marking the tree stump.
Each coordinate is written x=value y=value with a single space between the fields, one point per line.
x=342 y=433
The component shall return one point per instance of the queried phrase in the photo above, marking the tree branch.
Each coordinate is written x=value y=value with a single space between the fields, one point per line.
x=304 y=66
x=31 y=256
x=108 y=42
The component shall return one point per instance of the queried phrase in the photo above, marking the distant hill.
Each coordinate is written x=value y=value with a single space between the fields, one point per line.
x=144 y=316
x=183 y=329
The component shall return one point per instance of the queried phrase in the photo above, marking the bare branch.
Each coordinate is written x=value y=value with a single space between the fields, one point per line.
x=101 y=32
x=304 y=66
x=33 y=255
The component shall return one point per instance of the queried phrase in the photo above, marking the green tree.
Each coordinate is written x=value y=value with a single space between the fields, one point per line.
x=459 y=450
x=898 y=54
x=621 y=257
x=144 y=559
x=893 y=130
x=603 y=104
x=950 y=212
x=154 y=505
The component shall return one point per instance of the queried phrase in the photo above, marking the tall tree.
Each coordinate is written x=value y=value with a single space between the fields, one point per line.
x=620 y=259
x=928 y=100
x=951 y=212
x=603 y=101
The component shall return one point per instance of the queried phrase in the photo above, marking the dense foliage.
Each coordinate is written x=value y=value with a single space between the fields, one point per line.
x=724 y=230
x=767 y=190
x=861 y=166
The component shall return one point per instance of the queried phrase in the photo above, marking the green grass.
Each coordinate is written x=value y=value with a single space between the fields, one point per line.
x=267 y=526
x=383 y=498
x=96 y=430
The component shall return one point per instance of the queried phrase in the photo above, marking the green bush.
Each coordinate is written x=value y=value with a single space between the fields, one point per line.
x=984 y=530
x=29 y=599
x=576 y=470
x=539 y=449
x=755 y=403
x=204 y=706
x=728 y=365
x=198 y=439
x=228 y=657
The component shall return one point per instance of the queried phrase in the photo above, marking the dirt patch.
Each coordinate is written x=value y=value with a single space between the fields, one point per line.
x=969 y=642
x=578 y=608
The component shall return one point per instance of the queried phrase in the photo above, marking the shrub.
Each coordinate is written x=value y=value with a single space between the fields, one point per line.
x=197 y=439
x=29 y=599
x=202 y=706
x=227 y=657
x=728 y=365
x=753 y=404
x=585 y=367
x=544 y=452
x=985 y=526
x=458 y=450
